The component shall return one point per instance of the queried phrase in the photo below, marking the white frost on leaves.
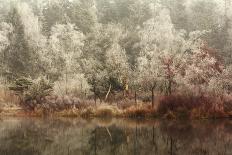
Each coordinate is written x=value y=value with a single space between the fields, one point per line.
x=77 y=85
x=160 y=44
x=5 y=29
x=221 y=84
x=66 y=44
x=116 y=60
x=32 y=25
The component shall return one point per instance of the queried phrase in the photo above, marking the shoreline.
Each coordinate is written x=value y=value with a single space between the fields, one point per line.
x=102 y=114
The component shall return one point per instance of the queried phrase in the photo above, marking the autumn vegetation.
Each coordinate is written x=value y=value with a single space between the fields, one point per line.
x=127 y=59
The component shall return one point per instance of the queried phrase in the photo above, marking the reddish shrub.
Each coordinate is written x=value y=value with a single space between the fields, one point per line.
x=227 y=100
x=191 y=106
x=174 y=103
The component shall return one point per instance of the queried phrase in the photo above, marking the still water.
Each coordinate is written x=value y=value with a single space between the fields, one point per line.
x=33 y=136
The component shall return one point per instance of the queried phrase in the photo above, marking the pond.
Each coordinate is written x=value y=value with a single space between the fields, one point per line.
x=34 y=136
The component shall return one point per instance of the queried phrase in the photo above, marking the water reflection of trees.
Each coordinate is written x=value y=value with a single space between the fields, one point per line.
x=199 y=137
x=116 y=137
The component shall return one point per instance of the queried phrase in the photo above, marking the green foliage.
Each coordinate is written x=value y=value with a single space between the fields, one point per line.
x=28 y=89
x=21 y=85
x=39 y=89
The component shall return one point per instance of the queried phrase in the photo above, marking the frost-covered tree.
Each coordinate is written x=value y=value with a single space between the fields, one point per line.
x=77 y=86
x=116 y=59
x=66 y=44
x=31 y=24
x=117 y=64
x=109 y=46
x=160 y=44
x=97 y=77
x=5 y=29
x=36 y=41
x=22 y=56
x=227 y=33
x=82 y=13
x=103 y=49
x=221 y=84
x=199 y=64
x=204 y=15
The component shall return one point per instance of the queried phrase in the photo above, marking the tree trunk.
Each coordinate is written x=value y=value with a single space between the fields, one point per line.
x=135 y=97
x=108 y=93
x=95 y=95
x=136 y=140
x=108 y=131
x=171 y=146
x=66 y=81
x=81 y=89
x=153 y=134
x=152 y=97
x=95 y=141
x=169 y=87
x=126 y=90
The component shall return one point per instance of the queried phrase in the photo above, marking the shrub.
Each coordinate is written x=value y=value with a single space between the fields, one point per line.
x=126 y=103
x=175 y=103
x=31 y=90
x=20 y=86
x=227 y=103
x=107 y=111
x=139 y=111
x=39 y=89
x=104 y=112
x=191 y=106
x=88 y=112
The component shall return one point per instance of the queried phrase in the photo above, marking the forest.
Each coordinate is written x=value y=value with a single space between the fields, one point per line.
x=120 y=58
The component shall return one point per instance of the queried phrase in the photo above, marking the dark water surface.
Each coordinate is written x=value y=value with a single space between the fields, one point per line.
x=33 y=136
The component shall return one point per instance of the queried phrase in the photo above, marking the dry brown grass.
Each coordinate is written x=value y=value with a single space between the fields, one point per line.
x=9 y=103
x=88 y=112
x=68 y=113
x=8 y=97
x=140 y=110
x=171 y=107
x=105 y=110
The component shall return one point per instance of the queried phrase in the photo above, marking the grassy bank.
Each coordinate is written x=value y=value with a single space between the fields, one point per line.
x=169 y=107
